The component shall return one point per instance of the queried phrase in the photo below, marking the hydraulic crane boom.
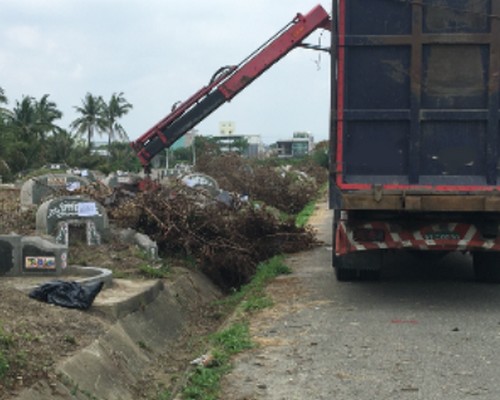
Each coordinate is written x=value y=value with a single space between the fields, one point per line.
x=226 y=84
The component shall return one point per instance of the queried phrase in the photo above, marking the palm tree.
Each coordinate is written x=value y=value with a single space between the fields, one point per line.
x=46 y=114
x=91 y=118
x=3 y=127
x=3 y=97
x=117 y=107
x=24 y=147
x=61 y=144
x=24 y=119
x=3 y=111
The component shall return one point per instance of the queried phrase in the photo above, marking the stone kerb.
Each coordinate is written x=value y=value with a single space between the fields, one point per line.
x=36 y=190
x=60 y=216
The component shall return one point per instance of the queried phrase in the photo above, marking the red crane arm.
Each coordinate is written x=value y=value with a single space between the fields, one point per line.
x=227 y=84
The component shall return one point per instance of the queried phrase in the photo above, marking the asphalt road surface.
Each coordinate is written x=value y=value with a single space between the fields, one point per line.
x=425 y=331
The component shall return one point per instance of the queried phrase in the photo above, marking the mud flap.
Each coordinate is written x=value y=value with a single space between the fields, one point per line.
x=364 y=265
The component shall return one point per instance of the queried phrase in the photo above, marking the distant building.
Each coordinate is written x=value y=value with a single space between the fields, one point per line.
x=186 y=140
x=100 y=148
x=228 y=140
x=301 y=144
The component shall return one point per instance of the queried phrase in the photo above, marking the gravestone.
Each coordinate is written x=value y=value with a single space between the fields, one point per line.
x=43 y=257
x=31 y=256
x=10 y=254
x=65 y=217
x=36 y=190
x=119 y=179
x=144 y=242
x=201 y=181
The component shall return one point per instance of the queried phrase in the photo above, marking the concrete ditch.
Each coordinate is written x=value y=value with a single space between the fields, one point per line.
x=146 y=319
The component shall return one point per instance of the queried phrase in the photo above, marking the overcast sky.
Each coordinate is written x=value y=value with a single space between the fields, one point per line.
x=159 y=52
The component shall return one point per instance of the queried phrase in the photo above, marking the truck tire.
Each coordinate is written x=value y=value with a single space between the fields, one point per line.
x=486 y=267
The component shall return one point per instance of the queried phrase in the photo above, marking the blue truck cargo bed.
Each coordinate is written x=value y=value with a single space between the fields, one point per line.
x=415 y=103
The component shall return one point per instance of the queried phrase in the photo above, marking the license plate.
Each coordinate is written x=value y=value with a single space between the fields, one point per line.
x=441 y=236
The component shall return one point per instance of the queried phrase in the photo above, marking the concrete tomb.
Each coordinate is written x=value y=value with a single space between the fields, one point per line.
x=36 y=190
x=68 y=218
x=31 y=255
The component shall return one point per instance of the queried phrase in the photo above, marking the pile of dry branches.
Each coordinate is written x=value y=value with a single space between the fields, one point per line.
x=227 y=241
x=285 y=188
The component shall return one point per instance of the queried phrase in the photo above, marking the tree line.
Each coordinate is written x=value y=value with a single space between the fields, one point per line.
x=31 y=137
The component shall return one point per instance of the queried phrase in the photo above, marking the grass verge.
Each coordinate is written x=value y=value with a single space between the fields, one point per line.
x=302 y=218
x=204 y=380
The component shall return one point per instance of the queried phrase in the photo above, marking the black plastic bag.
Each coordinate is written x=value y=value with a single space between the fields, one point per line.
x=67 y=294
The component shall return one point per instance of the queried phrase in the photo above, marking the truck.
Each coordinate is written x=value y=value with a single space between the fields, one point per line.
x=415 y=127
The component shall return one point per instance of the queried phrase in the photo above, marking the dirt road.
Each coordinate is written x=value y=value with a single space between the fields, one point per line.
x=425 y=331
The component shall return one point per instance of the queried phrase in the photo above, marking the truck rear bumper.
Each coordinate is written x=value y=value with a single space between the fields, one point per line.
x=446 y=237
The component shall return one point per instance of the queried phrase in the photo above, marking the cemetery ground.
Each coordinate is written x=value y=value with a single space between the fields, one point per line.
x=225 y=243
x=35 y=336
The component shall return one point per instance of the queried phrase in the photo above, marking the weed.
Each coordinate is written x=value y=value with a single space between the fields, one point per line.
x=6 y=340
x=164 y=395
x=142 y=344
x=21 y=358
x=204 y=382
x=4 y=365
x=248 y=295
x=70 y=339
x=75 y=389
x=302 y=217
x=255 y=303
x=158 y=272
x=234 y=339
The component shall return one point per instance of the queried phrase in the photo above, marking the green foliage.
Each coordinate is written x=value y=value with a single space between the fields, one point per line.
x=302 y=217
x=251 y=296
x=113 y=110
x=204 y=382
x=70 y=339
x=156 y=272
x=268 y=271
x=183 y=154
x=4 y=365
x=91 y=119
x=5 y=342
x=164 y=395
x=233 y=340
x=31 y=138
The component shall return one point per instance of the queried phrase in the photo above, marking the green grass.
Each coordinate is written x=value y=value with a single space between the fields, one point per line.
x=204 y=382
x=249 y=293
x=302 y=218
x=5 y=342
x=4 y=365
x=159 y=272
